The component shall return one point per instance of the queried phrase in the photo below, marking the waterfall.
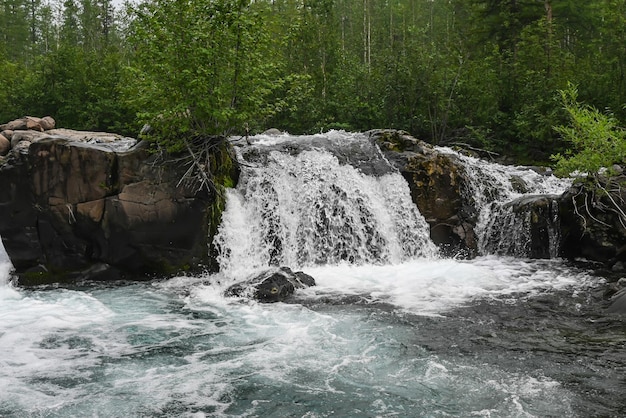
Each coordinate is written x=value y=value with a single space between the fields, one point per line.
x=517 y=207
x=321 y=199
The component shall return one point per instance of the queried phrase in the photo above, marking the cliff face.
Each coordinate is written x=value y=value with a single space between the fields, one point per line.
x=80 y=205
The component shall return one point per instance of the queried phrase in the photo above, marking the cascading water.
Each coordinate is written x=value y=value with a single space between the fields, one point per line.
x=508 y=200
x=301 y=203
x=390 y=329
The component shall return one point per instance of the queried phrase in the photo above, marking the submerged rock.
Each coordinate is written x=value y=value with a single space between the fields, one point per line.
x=273 y=285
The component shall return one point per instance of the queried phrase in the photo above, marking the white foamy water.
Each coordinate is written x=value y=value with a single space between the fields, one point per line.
x=432 y=287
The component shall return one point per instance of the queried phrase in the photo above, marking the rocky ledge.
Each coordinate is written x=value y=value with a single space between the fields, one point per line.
x=86 y=205
x=591 y=221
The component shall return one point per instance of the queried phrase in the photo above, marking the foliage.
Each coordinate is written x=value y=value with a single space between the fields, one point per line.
x=484 y=71
x=198 y=67
x=596 y=139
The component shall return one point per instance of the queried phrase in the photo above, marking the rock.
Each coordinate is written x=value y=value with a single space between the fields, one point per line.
x=619 y=266
x=438 y=185
x=538 y=233
x=519 y=185
x=7 y=134
x=14 y=125
x=5 y=145
x=21 y=147
x=30 y=136
x=398 y=141
x=272 y=285
x=618 y=303
x=592 y=221
x=27 y=123
x=110 y=140
x=47 y=123
x=69 y=207
x=272 y=132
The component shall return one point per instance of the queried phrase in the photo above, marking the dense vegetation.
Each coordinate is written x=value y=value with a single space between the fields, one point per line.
x=485 y=72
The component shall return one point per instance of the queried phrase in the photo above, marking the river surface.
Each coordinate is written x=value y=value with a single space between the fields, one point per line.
x=494 y=337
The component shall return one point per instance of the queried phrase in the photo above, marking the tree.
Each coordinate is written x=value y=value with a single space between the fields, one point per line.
x=15 y=29
x=199 y=67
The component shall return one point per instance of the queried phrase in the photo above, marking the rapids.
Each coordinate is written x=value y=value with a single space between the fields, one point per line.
x=390 y=330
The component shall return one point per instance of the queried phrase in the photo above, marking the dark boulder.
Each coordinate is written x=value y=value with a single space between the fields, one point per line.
x=75 y=205
x=273 y=285
x=593 y=220
x=439 y=187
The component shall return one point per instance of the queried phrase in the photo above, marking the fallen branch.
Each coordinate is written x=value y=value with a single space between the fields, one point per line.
x=471 y=148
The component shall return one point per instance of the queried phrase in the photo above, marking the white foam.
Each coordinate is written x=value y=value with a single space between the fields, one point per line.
x=431 y=287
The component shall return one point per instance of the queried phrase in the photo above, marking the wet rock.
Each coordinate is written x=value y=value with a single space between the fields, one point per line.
x=438 y=184
x=540 y=233
x=519 y=185
x=593 y=221
x=273 y=285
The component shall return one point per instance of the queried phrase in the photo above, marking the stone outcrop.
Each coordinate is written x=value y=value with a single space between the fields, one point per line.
x=88 y=205
x=438 y=185
x=272 y=285
x=593 y=220
x=29 y=123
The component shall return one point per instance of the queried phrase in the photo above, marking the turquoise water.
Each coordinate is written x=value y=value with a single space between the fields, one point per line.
x=495 y=337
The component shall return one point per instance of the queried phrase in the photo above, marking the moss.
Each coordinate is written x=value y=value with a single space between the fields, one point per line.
x=45 y=277
x=393 y=140
x=37 y=278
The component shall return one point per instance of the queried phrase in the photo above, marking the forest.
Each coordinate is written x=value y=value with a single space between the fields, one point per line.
x=495 y=74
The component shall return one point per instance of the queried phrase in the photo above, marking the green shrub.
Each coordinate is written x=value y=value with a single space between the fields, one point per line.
x=596 y=139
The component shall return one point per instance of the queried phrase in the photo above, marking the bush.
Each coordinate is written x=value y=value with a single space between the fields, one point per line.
x=596 y=139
